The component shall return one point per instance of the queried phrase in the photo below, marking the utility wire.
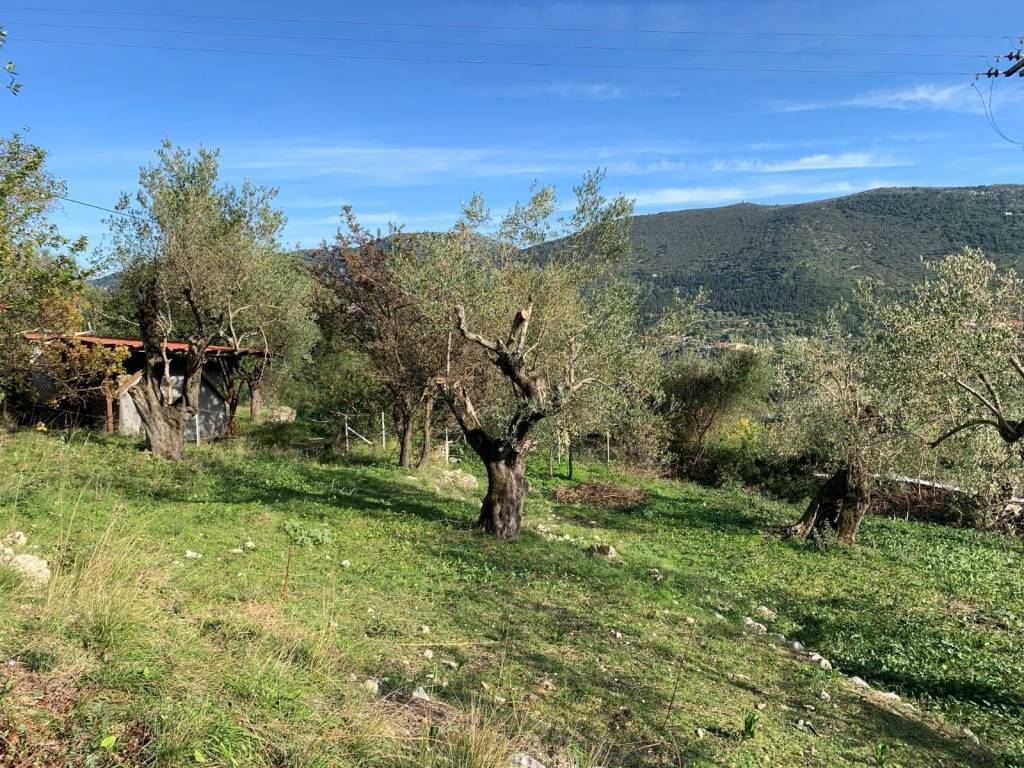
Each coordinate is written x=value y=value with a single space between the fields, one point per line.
x=990 y=116
x=101 y=208
x=489 y=44
x=511 y=28
x=490 y=62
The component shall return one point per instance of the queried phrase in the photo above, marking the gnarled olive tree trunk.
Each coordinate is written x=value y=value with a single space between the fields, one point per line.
x=840 y=503
x=502 y=510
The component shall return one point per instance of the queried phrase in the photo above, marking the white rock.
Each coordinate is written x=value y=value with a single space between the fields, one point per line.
x=450 y=663
x=250 y=545
x=700 y=733
x=33 y=569
x=15 y=539
x=190 y=555
x=345 y=563
x=824 y=695
x=236 y=551
x=778 y=637
x=754 y=626
x=523 y=760
x=891 y=695
x=767 y=613
x=428 y=654
x=821 y=661
x=371 y=685
x=859 y=682
x=420 y=695
x=424 y=629
x=796 y=645
x=972 y=736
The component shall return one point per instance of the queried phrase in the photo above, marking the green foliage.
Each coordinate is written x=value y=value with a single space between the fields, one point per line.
x=750 y=723
x=304 y=534
x=712 y=407
x=9 y=69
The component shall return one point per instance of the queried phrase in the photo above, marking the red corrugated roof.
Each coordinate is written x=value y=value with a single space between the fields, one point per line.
x=114 y=341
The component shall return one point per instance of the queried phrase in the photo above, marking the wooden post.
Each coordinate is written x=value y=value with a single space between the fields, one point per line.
x=346 y=433
x=110 y=414
x=198 y=437
x=446 y=458
x=607 y=447
x=383 y=433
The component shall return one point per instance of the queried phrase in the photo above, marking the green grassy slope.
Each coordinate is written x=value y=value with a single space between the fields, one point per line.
x=261 y=658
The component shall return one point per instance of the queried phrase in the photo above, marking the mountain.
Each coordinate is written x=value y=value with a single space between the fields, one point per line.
x=774 y=268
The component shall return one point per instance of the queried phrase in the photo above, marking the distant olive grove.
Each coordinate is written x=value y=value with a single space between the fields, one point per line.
x=522 y=351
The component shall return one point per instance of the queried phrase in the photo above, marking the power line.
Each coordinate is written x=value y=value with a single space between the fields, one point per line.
x=513 y=28
x=101 y=208
x=491 y=62
x=491 y=44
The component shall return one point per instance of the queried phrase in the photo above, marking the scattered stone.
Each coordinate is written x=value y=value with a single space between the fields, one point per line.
x=603 y=550
x=657 y=575
x=250 y=545
x=190 y=555
x=972 y=736
x=523 y=760
x=616 y=634
x=450 y=664
x=345 y=563
x=778 y=637
x=424 y=629
x=796 y=645
x=821 y=661
x=824 y=695
x=372 y=686
x=33 y=569
x=428 y=654
x=500 y=700
x=281 y=414
x=760 y=706
x=700 y=733
x=236 y=551
x=719 y=616
x=15 y=540
x=767 y=613
x=859 y=682
x=754 y=626
x=890 y=695
x=420 y=695
x=456 y=478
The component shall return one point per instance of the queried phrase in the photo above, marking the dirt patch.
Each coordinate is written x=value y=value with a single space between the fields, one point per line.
x=599 y=495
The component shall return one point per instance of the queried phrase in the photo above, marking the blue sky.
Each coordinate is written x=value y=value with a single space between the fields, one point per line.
x=409 y=140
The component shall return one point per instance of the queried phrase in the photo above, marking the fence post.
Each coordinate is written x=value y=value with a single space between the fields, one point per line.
x=198 y=438
x=110 y=414
x=607 y=447
x=383 y=433
x=446 y=459
x=346 y=433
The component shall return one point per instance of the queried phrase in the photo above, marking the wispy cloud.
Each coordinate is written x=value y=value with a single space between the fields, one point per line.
x=928 y=97
x=738 y=193
x=818 y=162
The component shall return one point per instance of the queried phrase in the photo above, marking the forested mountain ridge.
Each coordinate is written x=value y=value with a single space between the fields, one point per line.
x=770 y=269
x=777 y=267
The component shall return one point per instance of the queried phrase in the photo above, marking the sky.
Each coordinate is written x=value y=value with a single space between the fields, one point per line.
x=405 y=109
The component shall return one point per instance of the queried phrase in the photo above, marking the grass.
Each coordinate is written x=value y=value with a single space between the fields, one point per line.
x=364 y=572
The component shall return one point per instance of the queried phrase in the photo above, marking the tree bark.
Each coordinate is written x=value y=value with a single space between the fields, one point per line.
x=840 y=503
x=425 y=449
x=255 y=403
x=502 y=510
x=404 y=427
x=164 y=424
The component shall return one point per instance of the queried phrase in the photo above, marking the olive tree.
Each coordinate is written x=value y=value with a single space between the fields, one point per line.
x=833 y=411
x=952 y=351
x=534 y=331
x=192 y=251
x=9 y=69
